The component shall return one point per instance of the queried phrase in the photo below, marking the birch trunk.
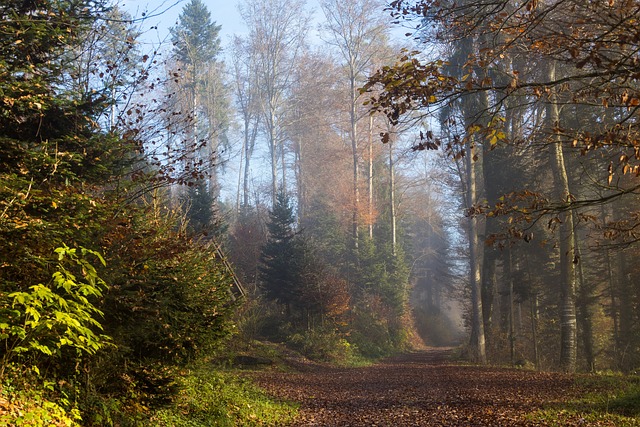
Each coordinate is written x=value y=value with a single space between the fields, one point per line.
x=568 y=328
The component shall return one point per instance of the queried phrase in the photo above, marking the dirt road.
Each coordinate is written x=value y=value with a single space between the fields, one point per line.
x=418 y=389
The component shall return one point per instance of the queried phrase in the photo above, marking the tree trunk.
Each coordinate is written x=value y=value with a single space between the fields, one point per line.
x=273 y=152
x=489 y=283
x=392 y=198
x=534 y=329
x=477 y=324
x=534 y=312
x=626 y=317
x=299 y=168
x=568 y=328
x=370 y=177
x=584 y=311
x=512 y=335
x=353 y=134
x=614 y=305
x=240 y=168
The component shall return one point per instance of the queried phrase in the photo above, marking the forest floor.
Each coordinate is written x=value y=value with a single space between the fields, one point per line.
x=425 y=388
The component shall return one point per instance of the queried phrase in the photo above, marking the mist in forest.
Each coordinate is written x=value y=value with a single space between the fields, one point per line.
x=353 y=201
x=342 y=180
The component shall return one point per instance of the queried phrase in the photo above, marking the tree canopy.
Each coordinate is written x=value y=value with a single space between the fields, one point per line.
x=195 y=38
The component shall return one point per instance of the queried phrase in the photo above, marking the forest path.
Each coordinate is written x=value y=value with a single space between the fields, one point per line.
x=417 y=389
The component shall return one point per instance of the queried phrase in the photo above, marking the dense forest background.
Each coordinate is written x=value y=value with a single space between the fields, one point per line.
x=475 y=184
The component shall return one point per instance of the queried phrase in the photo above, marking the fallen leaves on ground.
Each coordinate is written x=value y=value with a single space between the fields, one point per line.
x=421 y=389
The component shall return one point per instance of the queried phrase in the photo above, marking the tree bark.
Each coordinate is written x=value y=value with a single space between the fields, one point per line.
x=392 y=198
x=512 y=335
x=370 y=177
x=477 y=324
x=568 y=327
x=353 y=135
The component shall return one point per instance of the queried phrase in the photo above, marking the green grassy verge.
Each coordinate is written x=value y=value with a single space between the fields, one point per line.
x=210 y=397
x=609 y=400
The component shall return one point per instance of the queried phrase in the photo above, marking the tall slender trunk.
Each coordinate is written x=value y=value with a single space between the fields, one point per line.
x=370 y=177
x=249 y=144
x=474 y=108
x=273 y=151
x=534 y=314
x=568 y=327
x=392 y=198
x=299 y=171
x=626 y=311
x=477 y=324
x=613 y=301
x=283 y=165
x=247 y=159
x=512 y=335
x=489 y=291
x=194 y=141
x=353 y=134
x=534 y=329
x=240 y=168
x=584 y=311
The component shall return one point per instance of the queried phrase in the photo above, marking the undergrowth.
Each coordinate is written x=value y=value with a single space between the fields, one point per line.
x=609 y=400
x=210 y=397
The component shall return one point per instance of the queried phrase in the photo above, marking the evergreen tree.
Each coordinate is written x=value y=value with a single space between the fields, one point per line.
x=50 y=151
x=196 y=46
x=199 y=208
x=196 y=39
x=278 y=272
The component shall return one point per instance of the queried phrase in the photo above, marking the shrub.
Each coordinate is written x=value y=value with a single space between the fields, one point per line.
x=211 y=398
x=48 y=318
x=324 y=344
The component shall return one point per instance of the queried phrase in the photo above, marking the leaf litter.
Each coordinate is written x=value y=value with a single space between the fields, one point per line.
x=425 y=388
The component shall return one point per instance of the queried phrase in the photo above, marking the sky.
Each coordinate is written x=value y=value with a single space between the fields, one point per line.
x=163 y=14
x=160 y=15
x=157 y=17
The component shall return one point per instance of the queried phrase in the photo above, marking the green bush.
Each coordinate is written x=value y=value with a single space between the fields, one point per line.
x=324 y=345
x=170 y=299
x=21 y=408
x=211 y=398
x=370 y=333
x=612 y=400
x=48 y=318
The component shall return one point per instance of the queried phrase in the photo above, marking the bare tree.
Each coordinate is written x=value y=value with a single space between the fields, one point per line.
x=357 y=29
x=246 y=88
x=277 y=31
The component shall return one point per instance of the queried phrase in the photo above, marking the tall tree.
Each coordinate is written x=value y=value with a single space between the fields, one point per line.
x=357 y=29
x=278 y=273
x=247 y=95
x=566 y=230
x=196 y=47
x=51 y=150
x=277 y=31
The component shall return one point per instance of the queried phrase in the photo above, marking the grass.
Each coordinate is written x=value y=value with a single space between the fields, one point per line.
x=210 y=397
x=609 y=400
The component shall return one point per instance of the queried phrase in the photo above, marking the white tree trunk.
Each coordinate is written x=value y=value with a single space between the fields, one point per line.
x=568 y=328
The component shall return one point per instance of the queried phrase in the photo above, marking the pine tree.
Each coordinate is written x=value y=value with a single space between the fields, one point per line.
x=196 y=39
x=196 y=46
x=199 y=206
x=51 y=151
x=278 y=272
